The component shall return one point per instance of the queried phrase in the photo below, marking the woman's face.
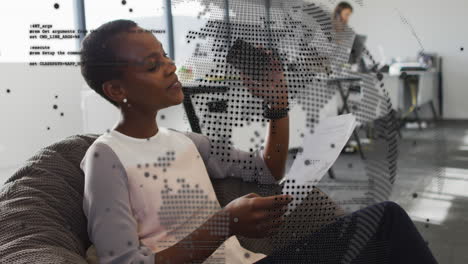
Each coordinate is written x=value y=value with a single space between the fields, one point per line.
x=149 y=81
x=345 y=15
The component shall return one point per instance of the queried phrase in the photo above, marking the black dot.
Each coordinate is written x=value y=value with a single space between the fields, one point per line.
x=124 y=2
x=61 y=113
x=415 y=195
x=8 y=90
x=307 y=162
x=379 y=76
x=56 y=6
x=55 y=106
x=462 y=48
x=131 y=10
x=332 y=145
x=56 y=96
x=163 y=117
x=48 y=128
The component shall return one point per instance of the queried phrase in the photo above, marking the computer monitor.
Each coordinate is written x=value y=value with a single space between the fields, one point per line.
x=357 y=49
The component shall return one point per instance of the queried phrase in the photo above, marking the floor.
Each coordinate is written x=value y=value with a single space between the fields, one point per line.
x=432 y=185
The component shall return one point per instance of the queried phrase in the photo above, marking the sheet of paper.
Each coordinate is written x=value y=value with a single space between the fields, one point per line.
x=320 y=151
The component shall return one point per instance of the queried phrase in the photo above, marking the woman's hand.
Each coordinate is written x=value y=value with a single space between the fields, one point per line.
x=254 y=216
x=250 y=216
x=271 y=87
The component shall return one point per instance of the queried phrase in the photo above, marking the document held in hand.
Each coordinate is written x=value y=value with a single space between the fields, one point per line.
x=320 y=151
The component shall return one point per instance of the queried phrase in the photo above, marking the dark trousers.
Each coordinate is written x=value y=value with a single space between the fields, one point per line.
x=381 y=233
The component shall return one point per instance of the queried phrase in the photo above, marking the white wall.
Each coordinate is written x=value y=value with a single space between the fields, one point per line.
x=27 y=110
x=441 y=27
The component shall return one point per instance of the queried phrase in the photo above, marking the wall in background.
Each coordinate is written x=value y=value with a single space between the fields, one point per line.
x=28 y=118
x=440 y=27
x=28 y=94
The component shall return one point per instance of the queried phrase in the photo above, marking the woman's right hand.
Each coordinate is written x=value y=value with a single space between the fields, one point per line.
x=255 y=216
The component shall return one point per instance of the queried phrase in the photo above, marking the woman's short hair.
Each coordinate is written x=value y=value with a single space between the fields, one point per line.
x=97 y=57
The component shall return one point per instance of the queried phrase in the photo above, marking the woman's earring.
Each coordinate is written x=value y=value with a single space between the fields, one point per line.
x=125 y=101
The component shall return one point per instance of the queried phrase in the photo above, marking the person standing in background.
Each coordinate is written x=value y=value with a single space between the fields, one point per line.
x=342 y=34
x=343 y=12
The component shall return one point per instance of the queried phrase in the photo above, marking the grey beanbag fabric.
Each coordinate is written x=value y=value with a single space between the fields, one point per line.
x=41 y=215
